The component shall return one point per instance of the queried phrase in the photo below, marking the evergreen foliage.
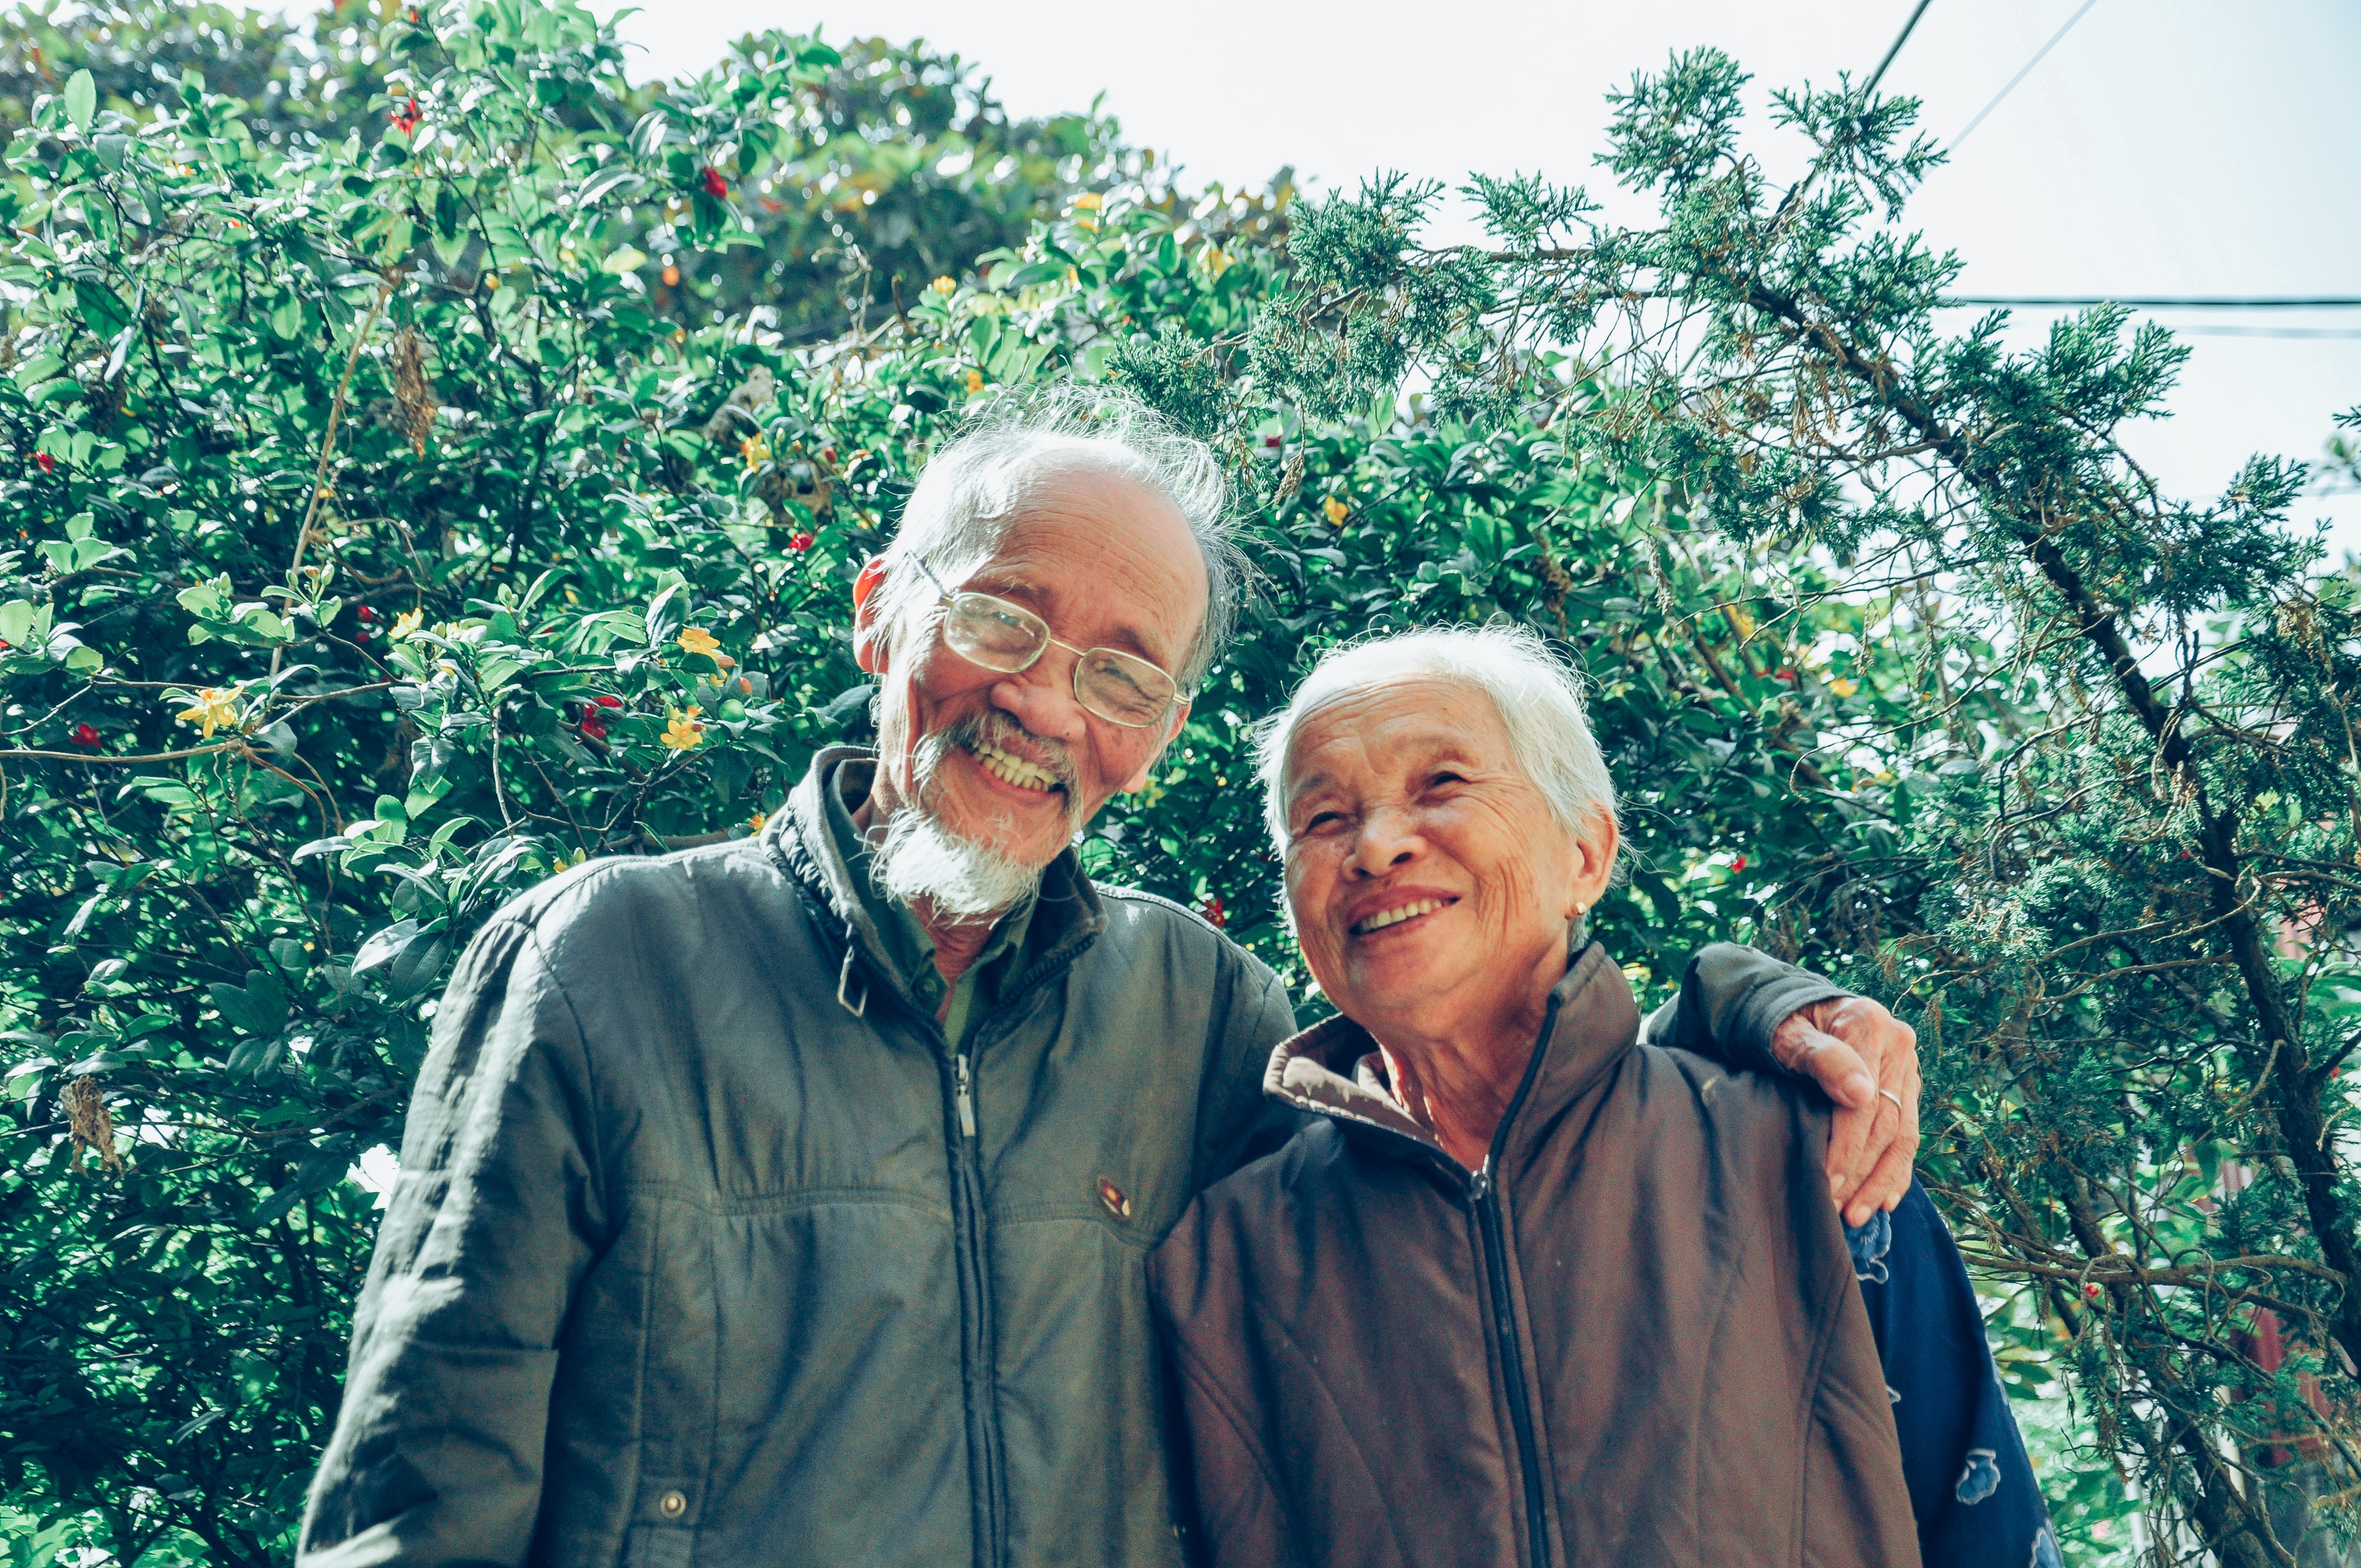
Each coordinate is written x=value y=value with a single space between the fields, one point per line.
x=417 y=489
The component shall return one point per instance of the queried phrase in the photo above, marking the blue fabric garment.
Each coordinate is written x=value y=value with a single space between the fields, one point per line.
x=1971 y=1484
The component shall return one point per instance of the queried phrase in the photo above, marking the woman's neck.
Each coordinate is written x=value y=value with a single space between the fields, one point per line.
x=1459 y=1083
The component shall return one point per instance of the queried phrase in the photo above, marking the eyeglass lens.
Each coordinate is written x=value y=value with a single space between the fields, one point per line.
x=1005 y=636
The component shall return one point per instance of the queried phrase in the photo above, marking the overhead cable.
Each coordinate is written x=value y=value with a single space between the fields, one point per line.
x=2173 y=302
x=2022 y=75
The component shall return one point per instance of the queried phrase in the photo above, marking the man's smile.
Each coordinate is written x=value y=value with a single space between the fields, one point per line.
x=1013 y=770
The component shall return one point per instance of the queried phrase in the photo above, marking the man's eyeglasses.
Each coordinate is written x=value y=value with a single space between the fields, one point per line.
x=1120 y=687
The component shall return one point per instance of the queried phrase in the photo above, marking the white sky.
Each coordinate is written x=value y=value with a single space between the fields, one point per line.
x=2164 y=147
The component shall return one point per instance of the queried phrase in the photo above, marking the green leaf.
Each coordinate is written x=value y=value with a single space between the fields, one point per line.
x=82 y=100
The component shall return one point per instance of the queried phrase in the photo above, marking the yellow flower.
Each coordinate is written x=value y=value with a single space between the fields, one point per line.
x=696 y=640
x=1214 y=259
x=1335 y=510
x=975 y=380
x=755 y=451
x=944 y=285
x=756 y=823
x=215 y=708
x=408 y=622
x=681 y=732
x=1742 y=621
x=1088 y=201
x=1844 y=687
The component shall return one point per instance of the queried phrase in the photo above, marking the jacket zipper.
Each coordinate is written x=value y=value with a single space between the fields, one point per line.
x=1486 y=1201
x=975 y=1294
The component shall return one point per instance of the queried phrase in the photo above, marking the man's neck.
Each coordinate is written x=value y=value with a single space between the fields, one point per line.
x=957 y=940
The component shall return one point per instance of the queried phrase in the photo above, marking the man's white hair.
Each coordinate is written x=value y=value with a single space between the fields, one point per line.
x=975 y=488
x=1539 y=697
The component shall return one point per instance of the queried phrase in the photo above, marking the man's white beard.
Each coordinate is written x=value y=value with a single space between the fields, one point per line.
x=959 y=878
x=921 y=859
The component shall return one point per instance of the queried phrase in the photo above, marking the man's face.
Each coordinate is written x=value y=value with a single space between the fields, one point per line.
x=1017 y=762
x=1433 y=887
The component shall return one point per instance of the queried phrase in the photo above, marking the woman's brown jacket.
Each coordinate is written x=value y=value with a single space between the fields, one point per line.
x=1634 y=1338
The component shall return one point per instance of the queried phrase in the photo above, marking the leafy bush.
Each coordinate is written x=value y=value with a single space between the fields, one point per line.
x=418 y=491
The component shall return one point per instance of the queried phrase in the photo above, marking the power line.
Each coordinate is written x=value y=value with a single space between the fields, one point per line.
x=2021 y=75
x=2342 y=332
x=1899 y=40
x=2173 y=303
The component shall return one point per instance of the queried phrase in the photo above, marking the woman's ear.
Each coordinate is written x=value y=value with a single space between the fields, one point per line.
x=1595 y=868
x=1138 y=780
x=871 y=646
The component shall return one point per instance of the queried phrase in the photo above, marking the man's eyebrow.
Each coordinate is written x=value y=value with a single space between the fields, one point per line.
x=1124 y=637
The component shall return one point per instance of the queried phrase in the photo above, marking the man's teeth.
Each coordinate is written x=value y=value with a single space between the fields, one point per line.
x=1395 y=916
x=1012 y=770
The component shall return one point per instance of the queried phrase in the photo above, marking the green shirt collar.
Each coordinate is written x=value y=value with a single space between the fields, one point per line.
x=906 y=943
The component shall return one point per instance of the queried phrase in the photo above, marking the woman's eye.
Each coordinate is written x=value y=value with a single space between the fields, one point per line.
x=1323 y=818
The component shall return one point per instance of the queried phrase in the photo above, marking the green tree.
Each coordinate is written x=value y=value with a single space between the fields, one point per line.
x=2107 y=859
x=387 y=533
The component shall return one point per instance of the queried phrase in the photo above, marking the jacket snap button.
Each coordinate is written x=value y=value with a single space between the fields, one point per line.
x=1112 y=1196
x=672 y=1504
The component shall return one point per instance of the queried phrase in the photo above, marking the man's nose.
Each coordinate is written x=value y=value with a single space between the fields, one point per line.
x=1389 y=838
x=1042 y=699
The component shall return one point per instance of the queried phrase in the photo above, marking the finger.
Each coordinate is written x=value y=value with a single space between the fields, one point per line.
x=1838 y=1069
x=1878 y=1126
x=1888 y=1184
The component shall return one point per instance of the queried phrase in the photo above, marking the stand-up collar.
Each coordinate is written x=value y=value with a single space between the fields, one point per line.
x=1066 y=912
x=1334 y=1070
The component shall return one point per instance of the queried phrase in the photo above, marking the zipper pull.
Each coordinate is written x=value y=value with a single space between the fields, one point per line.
x=964 y=1094
x=1480 y=1186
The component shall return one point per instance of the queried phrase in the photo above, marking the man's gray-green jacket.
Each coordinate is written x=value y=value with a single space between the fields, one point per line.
x=708 y=1248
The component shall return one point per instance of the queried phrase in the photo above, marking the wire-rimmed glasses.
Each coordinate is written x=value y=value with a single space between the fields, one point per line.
x=1008 y=639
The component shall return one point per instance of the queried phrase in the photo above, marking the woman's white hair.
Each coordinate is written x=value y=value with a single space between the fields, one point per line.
x=1539 y=697
x=975 y=488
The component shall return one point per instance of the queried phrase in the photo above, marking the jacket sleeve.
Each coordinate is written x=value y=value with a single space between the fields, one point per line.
x=1732 y=1000
x=437 y=1452
x=1972 y=1482
x=1229 y=1510
x=1236 y=1122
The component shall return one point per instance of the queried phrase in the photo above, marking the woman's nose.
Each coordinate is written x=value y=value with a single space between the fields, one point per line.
x=1389 y=838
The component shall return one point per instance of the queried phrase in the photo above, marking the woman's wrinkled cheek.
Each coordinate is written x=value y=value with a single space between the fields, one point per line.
x=1311 y=892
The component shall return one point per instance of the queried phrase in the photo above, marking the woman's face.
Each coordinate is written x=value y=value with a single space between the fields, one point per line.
x=1431 y=887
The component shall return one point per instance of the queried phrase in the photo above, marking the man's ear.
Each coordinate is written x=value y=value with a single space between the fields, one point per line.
x=871 y=646
x=1138 y=780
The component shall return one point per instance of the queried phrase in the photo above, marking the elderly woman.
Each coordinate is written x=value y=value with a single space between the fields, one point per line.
x=1526 y=1288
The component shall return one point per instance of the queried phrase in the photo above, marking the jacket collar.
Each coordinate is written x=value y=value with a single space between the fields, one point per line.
x=1067 y=916
x=1334 y=1068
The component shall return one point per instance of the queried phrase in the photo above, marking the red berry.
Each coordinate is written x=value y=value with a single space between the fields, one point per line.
x=1214 y=915
x=1271 y=441
x=593 y=726
x=716 y=186
x=46 y=463
x=828 y=453
x=84 y=735
x=365 y=613
x=1738 y=864
x=603 y=700
x=800 y=542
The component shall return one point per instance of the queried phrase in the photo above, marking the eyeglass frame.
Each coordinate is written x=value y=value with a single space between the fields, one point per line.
x=1049 y=640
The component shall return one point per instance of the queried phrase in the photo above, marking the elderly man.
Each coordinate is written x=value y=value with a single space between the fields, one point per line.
x=1527 y=1290
x=787 y=1201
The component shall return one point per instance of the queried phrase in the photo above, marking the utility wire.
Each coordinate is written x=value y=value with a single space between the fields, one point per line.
x=2021 y=75
x=1903 y=38
x=2173 y=303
